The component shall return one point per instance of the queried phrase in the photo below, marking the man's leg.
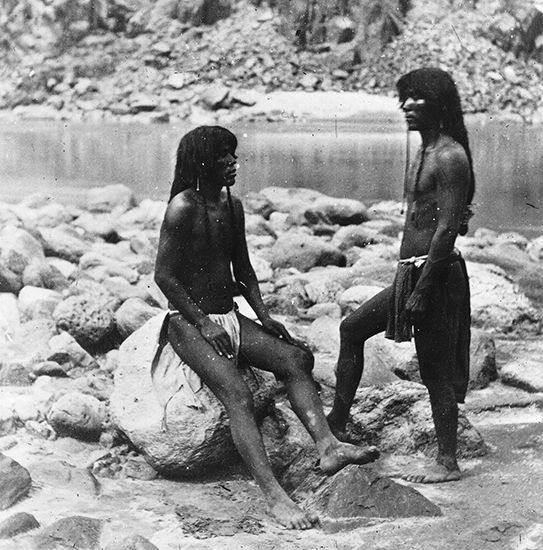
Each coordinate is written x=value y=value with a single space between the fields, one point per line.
x=293 y=366
x=434 y=353
x=368 y=320
x=225 y=381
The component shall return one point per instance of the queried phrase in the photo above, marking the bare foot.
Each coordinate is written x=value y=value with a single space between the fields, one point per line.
x=438 y=473
x=287 y=513
x=339 y=455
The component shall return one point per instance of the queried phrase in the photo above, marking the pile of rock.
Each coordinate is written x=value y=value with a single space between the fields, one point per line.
x=172 y=60
x=77 y=291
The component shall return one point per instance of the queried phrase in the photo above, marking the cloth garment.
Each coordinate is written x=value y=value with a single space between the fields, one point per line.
x=170 y=375
x=442 y=339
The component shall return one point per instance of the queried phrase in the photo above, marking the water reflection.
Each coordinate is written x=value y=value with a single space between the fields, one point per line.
x=363 y=160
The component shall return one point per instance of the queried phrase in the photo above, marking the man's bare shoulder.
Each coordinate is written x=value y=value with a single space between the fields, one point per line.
x=450 y=152
x=180 y=210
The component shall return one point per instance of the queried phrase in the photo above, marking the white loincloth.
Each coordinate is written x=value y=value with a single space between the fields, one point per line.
x=172 y=376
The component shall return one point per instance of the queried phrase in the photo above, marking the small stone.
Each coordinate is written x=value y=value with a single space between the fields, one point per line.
x=137 y=468
x=72 y=532
x=215 y=97
x=77 y=415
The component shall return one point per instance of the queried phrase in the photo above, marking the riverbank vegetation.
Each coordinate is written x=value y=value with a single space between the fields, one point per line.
x=173 y=59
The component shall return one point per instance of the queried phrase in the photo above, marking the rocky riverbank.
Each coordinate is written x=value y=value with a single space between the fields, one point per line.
x=165 y=61
x=76 y=288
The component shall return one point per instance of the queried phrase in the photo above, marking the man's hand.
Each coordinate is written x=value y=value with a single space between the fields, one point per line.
x=217 y=337
x=277 y=329
x=416 y=306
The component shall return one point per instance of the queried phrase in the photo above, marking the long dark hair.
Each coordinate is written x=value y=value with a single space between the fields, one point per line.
x=439 y=90
x=196 y=154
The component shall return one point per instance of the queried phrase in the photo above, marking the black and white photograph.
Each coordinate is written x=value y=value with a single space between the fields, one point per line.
x=271 y=274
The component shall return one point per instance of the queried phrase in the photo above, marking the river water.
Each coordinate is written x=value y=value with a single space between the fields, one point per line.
x=362 y=160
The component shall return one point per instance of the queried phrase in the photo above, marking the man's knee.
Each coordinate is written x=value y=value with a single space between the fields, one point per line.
x=350 y=332
x=298 y=362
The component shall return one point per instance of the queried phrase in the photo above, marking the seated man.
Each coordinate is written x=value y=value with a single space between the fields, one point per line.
x=430 y=294
x=202 y=237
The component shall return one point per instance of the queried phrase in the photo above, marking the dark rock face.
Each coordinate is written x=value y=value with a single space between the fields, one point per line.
x=15 y=482
x=73 y=532
x=17 y=524
x=359 y=491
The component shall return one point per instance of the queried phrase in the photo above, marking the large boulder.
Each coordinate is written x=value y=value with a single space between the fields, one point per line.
x=77 y=415
x=45 y=275
x=15 y=482
x=100 y=267
x=496 y=302
x=352 y=298
x=116 y=198
x=91 y=322
x=196 y=436
x=355 y=235
x=307 y=206
x=132 y=315
x=37 y=302
x=397 y=418
x=64 y=242
x=18 y=248
x=304 y=252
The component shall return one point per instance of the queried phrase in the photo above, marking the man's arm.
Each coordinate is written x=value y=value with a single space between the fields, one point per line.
x=246 y=277
x=175 y=235
x=452 y=187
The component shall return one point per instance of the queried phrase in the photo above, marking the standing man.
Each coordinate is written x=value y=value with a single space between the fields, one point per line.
x=430 y=294
x=202 y=242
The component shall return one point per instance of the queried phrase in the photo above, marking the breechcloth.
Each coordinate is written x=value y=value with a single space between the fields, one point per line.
x=171 y=375
x=442 y=339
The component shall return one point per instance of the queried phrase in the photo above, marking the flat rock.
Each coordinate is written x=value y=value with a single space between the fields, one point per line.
x=16 y=524
x=15 y=482
x=358 y=491
x=72 y=532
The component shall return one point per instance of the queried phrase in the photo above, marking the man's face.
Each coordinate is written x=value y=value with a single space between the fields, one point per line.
x=417 y=113
x=225 y=166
